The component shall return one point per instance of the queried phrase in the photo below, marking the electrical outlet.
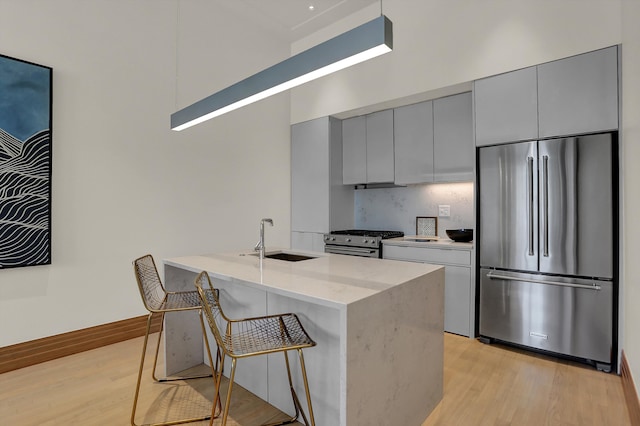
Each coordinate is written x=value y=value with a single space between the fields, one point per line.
x=444 y=211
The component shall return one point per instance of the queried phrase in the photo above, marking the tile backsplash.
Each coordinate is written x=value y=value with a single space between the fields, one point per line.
x=396 y=209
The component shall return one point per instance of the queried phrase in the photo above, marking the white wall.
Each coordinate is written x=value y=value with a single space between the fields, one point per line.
x=124 y=184
x=443 y=43
x=631 y=176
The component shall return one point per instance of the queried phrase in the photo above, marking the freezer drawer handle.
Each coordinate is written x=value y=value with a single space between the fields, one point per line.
x=493 y=276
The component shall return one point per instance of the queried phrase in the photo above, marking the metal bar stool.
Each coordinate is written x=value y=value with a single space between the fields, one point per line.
x=158 y=301
x=242 y=338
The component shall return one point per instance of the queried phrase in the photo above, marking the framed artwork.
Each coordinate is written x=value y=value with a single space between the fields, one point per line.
x=25 y=163
x=427 y=226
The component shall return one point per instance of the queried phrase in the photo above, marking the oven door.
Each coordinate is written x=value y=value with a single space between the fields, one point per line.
x=352 y=251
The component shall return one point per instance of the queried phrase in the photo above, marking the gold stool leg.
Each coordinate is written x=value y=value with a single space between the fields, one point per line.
x=216 y=403
x=218 y=379
x=294 y=396
x=306 y=388
x=135 y=399
x=144 y=350
x=155 y=361
x=228 y=402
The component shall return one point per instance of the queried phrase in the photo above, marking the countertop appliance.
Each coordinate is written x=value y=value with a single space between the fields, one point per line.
x=547 y=246
x=358 y=242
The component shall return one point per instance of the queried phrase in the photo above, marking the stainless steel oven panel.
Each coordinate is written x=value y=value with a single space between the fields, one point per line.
x=352 y=251
x=563 y=315
x=352 y=240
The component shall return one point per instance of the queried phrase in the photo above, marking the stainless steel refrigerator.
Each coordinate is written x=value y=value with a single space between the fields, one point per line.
x=547 y=238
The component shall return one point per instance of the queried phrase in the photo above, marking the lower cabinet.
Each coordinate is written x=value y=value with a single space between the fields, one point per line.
x=308 y=241
x=458 y=301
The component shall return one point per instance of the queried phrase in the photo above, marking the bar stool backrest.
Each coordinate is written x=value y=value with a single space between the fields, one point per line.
x=149 y=283
x=213 y=311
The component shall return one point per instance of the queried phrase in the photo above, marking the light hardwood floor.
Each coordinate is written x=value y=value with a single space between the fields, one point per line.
x=483 y=385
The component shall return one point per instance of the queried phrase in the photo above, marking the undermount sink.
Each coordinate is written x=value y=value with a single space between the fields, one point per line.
x=289 y=257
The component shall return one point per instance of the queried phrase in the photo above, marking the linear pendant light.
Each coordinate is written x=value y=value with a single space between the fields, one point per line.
x=357 y=45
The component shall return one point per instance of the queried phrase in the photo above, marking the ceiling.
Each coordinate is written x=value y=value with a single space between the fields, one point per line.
x=294 y=19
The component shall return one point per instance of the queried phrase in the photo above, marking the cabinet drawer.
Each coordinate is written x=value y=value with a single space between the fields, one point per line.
x=429 y=255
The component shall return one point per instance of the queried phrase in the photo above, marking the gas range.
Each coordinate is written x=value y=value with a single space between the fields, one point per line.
x=358 y=242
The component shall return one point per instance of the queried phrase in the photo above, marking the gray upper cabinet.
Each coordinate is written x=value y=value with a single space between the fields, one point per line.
x=579 y=94
x=319 y=201
x=309 y=176
x=453 y=148
x=367 y=147
x=354 y=150
x=506 y=107
x=566 y=97
x=413 y=138
x=434 y=141
x=380 y=163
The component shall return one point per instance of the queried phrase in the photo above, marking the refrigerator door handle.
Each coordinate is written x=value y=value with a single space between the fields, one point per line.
x=531 y=203
x=495 y=276
x=545 y=184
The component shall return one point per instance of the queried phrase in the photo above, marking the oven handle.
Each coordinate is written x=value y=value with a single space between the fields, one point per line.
x=354 y=251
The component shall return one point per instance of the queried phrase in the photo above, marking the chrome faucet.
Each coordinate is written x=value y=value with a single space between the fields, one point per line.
x=260 y=246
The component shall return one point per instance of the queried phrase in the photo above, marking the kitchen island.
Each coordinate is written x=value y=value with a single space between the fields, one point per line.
x=378 y=325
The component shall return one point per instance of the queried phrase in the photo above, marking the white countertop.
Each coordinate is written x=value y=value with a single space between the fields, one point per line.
x=441 y=243
x=328 y=279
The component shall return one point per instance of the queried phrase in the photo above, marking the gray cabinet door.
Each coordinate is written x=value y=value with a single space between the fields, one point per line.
x=506 y=107
x=579 y=94
x=413 y=143
x=354 y=150
x=310 y=176
x=458 y=281
x=457 y=299
x=308 y=241
x=379 y=136
x=453 y=138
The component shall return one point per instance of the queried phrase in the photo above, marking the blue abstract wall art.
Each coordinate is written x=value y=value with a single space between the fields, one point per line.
x=25 y=163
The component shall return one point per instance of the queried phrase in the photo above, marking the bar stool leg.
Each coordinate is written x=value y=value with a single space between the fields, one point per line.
x=217 y=404
x=306 y=387
x=155 y=359
x=294 y=397
x=142 y=358
x=228 y=402
x=144 y=350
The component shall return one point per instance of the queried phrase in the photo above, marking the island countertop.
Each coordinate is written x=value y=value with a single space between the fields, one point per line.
x=378 y=325
x=327 y=279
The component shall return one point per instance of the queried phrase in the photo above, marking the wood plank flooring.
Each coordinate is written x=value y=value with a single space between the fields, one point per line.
x=497 y=385
x=484 y=385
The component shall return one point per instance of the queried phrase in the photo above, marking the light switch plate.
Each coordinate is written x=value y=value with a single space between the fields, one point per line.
x=444 y=210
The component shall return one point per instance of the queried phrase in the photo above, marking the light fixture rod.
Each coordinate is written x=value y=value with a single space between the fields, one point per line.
x=359 y=44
